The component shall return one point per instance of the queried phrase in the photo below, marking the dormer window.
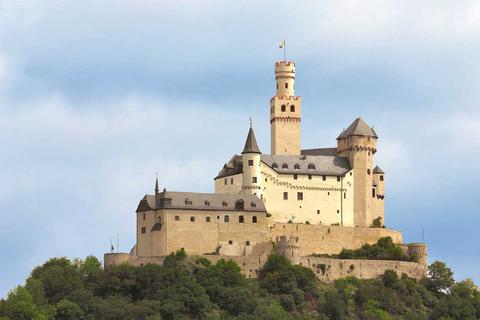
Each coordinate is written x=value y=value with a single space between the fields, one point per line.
x=284 y=166
x=274 y=165
x=224 y=203
x=311 y=166
x=253 y=205
x=296 y=166
x=188 y=202
x=207 y=203
x=239 y=204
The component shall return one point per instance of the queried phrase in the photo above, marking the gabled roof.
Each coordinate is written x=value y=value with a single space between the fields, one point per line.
x=378 y=170
x=319 y=152
x=251 y=145
x=358 y=128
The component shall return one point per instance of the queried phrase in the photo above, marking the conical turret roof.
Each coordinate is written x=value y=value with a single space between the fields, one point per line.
x=378 y=170
x=358 y=128
x=251 y=145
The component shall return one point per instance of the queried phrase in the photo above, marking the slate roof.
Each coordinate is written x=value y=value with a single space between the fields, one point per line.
x=322 y=164
x=320 y=152
x=358 y=128
x=251 y=145
x=378 y=170
x=200 y=201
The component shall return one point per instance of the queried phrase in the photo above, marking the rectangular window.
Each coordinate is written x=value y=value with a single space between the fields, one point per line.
x=373 y=192
x=324 y=178
x=338 y=211
x=226 y=181
x=338 y=179
x=344 y=195
x=285 y=196
x=250 y=163
x=247 y=243
x=144 y=230
x=286 y=85
x=144 y=216
x=300 y=196
x=295 y=176
x=381 y=178
x=309 y=177
x=254 y=179
x=230 y=242
x=318 y=211
x=231 y=181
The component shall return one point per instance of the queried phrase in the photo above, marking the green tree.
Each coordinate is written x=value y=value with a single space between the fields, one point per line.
x=68 y=310
x=440 y=277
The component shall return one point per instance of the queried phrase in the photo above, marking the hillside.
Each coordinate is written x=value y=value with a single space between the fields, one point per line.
x=188 y=288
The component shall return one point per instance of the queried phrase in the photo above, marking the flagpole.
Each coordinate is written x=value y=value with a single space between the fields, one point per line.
x=284 y=50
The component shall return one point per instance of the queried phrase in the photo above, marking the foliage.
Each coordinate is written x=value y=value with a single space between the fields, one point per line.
x=187 y=288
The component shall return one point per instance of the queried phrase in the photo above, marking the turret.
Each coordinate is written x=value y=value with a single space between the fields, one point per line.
x=378 y=194
x=251 y=182
x=288 y=247
x=285 y=111
x=358 y=143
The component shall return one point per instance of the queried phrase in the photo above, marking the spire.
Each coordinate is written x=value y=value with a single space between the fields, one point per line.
x=157 y=189
x=251 y=145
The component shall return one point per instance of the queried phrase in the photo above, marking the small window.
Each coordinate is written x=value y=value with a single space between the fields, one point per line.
x=284 y=166
x=177 y=218
x=338 y=211
x=144 y=216
x=295 y=177
x=285 y=196
x=230 y=242
x=250 y=163
x=225 y=181
x=247 y=243
x=284 y=108
x=381 y=178
x=368 y=171
x=318 y=211
x=324 y=178
x=226 y=219
x=344 y=195
x=144 y=230
x=292 y=108
x=188 y=202
x=311 y=166
x=277 y=86
x=192 y=219
x=254 y=179
x=254 y=219
x=239 y=204
x=207 y=219
x=253 y=205
x=309 y=177
x=296 y=166
x=231 y=180
x=338 y=179
x=373 y=192
x=224 y=203
x=300 y=196
x=207 y=203
x=328 y=193
x=274 y=165
x=350 y=172
x=241 y=219
x=286 y=85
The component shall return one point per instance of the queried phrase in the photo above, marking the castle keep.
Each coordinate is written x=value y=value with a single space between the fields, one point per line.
x=307 y=201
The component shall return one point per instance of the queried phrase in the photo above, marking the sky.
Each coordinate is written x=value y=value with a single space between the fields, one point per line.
x=98 y=96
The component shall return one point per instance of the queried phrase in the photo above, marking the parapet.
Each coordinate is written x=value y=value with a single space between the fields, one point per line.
x=115 y=259
x=288 y=247
x=284 y=67
x=419 y=250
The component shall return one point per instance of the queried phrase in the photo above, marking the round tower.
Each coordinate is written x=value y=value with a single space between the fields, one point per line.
x=285 y=111
x=251 y=179
x=358 y=143
x=420 y=251
x=288 y=247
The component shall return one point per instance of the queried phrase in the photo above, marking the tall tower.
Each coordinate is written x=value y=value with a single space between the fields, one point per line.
x=285 y=112
x=358 y=143
x=251 y=177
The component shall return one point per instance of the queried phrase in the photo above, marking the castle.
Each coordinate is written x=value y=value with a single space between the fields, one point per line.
x=306 y=201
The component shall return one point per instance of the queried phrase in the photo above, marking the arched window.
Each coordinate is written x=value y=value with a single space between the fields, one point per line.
x=254 y=219
x=274 y=165
x=207 y=219
x=192 y=219
x=296 y=166
x=177 y=218
x=241 y=219
x=311 y=166
x=239 y=204
x=284 y=166
x=284 y=108
x=226 y=219
x=292 y=108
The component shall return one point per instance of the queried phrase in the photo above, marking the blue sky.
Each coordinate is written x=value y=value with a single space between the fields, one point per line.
x=97 y=96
